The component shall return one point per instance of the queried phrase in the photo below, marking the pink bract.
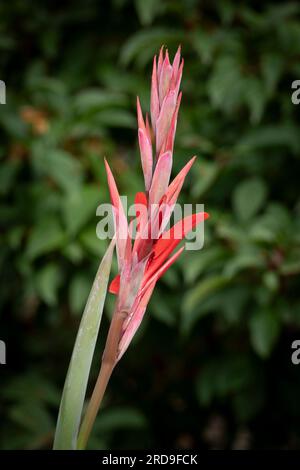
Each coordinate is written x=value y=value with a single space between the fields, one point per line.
x=144 y=260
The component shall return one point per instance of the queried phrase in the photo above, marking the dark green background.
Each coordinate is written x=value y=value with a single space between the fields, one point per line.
x=211 y=366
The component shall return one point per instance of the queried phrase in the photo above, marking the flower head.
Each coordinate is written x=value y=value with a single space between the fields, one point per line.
x=144 y=260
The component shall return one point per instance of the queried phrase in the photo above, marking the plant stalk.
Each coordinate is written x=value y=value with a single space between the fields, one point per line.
x=109 y=360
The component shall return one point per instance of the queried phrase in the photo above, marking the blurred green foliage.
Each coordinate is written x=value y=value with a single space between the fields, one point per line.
x=211 y=364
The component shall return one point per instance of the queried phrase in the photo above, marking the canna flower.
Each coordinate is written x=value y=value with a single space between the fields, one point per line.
x=143 y=259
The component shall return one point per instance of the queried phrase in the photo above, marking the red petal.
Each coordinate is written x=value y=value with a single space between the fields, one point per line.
x=167 y=265
x=154 y=104
x=176 y=62
x=135 y=320
x=148 y=129
x=172 y=130
x=142 y=219
x=140 y=198
x=153 y=276
x=119 y=215
x=178 y=78
x=146 y=157
x=141 y=211
x=171 y=238
x=172 y=193
x=141 y=123
x=115 y=285
x=160 y=178
x=164 y=79
x=177 y=183
x=165 y=118
x=160 y=61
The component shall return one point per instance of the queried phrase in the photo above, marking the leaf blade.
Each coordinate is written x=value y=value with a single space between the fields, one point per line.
x=78 y=372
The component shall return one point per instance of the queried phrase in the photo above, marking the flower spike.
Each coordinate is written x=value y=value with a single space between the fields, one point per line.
x=143 y=261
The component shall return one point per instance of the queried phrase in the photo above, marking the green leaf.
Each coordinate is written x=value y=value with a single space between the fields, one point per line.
x=275 y=136
x=77 y=377
x=205 y=44
x=290 y=267
x=90 y=241
x=48 y=281
x=226 y=85
x=59 y=165
x=93 y=100
x=14 y=126
x=148 y=10
x=162 y=309
x=196 y=263
x=119 y=418
x=271 y=281
x=271 y=67
x=46 y=236
x=8 y=173
x=247 y=403
x=74 y=252
x=33 y=416
x=246 y=259
x=34 y=387
x=205 y=384
x=231 y=302
x=116 y=118
x=145 y=44
x=192 y=301
x=79 y=207
x=248 y=198
x=273 y=226
x=223 y=376
x=255 y=97
x=78 y=292
x=208 y=173
x=202 y=290
x=264 y=331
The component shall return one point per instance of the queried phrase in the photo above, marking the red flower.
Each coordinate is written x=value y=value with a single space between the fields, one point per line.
x=143 y=261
